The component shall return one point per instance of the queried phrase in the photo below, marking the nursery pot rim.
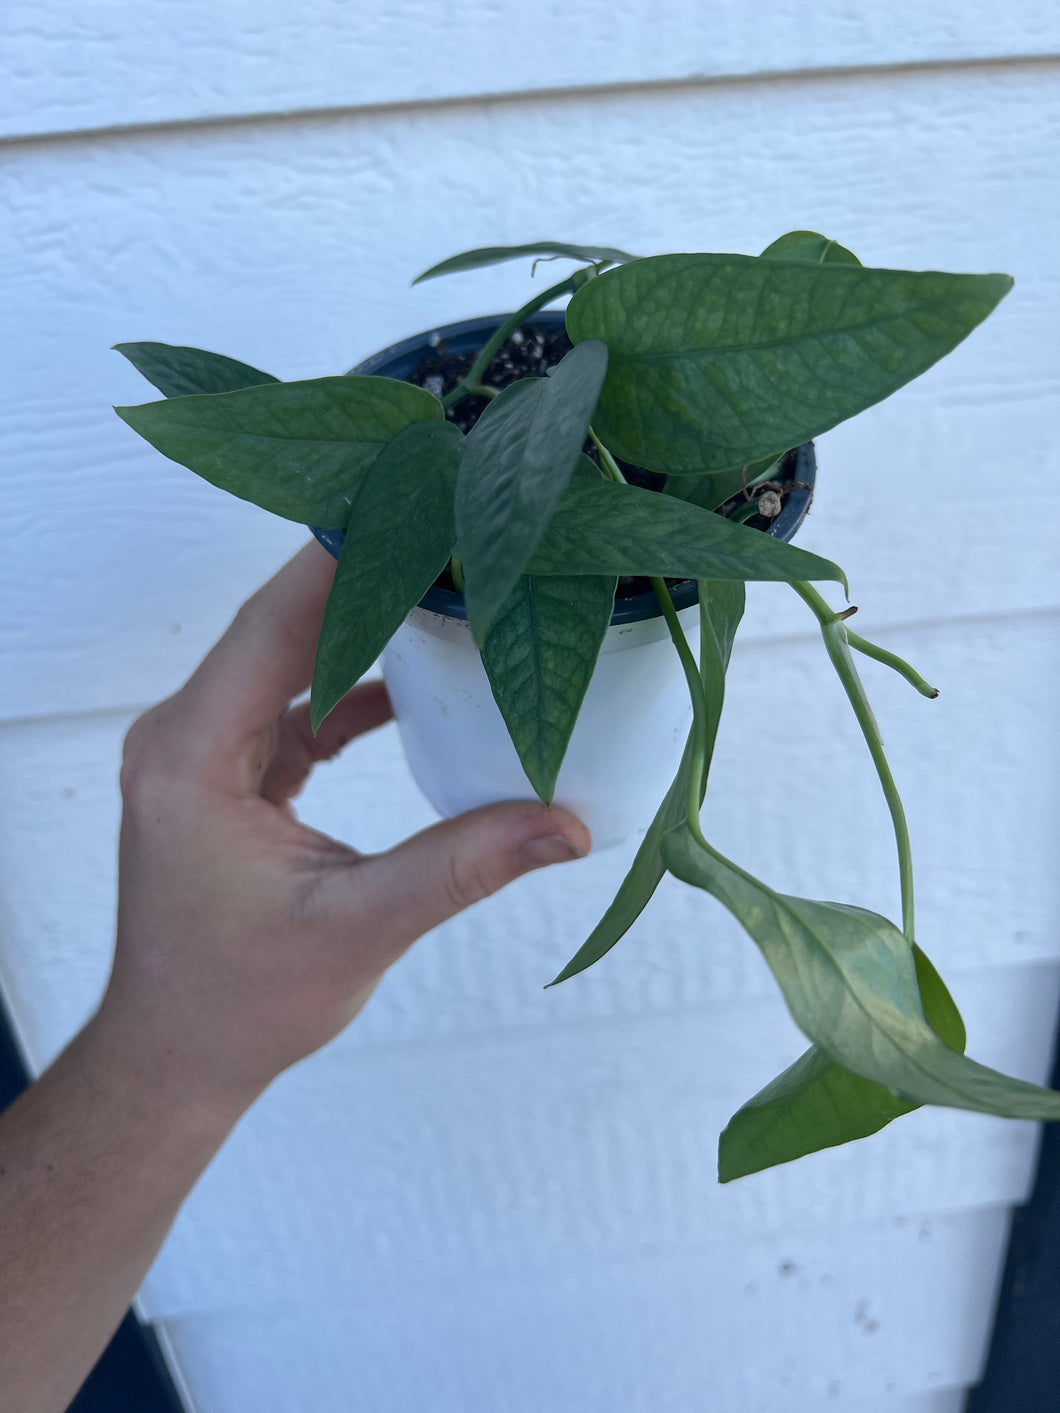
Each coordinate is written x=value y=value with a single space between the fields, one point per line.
x=399 y=359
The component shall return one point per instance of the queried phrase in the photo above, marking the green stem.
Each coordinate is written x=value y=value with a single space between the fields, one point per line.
x=890 y=659
x=486 y=354
x=837 y=642
x=700 y=723
x=743 y=512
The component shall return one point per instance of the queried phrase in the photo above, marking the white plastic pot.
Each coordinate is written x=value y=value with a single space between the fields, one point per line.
x=624 y=751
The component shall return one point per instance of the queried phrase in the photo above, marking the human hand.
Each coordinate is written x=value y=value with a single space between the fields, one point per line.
x=246 y=940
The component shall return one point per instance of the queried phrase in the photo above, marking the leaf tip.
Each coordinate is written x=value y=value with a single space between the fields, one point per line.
x=318 y=712
x=545 y=787
x=727 y=1170
x=734 y=1162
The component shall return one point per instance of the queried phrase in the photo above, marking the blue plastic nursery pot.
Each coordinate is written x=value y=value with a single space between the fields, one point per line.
x=401 y=360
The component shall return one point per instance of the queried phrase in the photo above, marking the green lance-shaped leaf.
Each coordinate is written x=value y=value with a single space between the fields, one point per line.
x=716 y=487
x=849 y=979
x=721 y=607
x=809 y=248
x=720 y=359
x=177 y=371
x=603 y=528
x=817 y=1103
x=542 y=249
x=539 y=655
x=400 y=536
x=714 y=490
x=520 y=455
x=300 y=450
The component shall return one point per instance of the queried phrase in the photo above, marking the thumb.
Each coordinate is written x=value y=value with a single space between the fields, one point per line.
x=452 y=865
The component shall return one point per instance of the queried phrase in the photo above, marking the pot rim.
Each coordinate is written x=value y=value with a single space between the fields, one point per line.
x=398 y=360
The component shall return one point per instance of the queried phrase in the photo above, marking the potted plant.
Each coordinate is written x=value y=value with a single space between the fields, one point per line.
x=597 y=725
x=485 y=489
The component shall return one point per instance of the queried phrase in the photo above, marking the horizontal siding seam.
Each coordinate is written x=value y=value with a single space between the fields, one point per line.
x=763 y=642
x=583 y=92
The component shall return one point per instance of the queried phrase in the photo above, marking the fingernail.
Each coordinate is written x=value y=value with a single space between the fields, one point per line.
x=548 y=849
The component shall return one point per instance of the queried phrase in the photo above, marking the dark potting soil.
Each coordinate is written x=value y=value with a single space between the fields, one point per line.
x=530 y=353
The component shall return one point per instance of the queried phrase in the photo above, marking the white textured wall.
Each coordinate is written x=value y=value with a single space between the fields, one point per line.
x=484 y=1195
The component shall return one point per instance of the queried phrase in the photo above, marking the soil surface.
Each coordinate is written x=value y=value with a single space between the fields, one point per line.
x=530 y=353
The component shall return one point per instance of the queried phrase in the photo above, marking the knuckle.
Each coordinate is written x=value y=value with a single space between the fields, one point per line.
x=465 y=881
x=248 y=612
x=134 y=750
x=258 y=621
x=257 y=616
x=140 y=752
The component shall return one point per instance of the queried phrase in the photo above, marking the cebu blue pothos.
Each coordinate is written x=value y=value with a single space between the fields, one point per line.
x=705 y=368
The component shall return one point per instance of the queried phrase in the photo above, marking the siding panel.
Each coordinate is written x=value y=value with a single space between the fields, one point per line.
x=534 y=1156
x=987 y=896
x=643 y=1336
x=84 y=64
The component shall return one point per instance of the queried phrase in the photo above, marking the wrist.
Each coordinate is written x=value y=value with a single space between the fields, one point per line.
x=154 y=1083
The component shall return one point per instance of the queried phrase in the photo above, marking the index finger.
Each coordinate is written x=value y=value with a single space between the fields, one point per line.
x=266 y=656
